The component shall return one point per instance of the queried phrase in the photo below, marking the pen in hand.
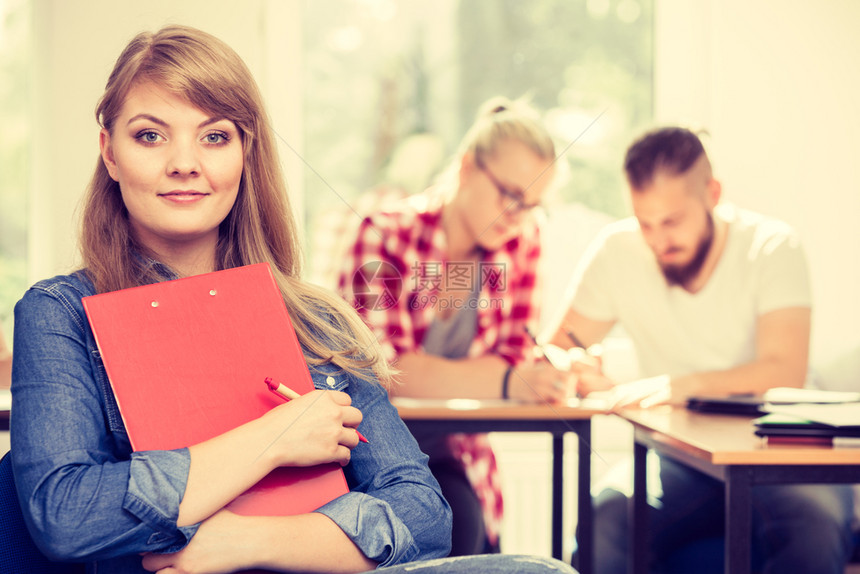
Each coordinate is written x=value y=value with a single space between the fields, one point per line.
x=579 y=352
x=574 y=339
x=556 y=356
x=286 y=392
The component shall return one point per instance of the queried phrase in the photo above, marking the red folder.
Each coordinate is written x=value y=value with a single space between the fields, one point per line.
x=187 y=360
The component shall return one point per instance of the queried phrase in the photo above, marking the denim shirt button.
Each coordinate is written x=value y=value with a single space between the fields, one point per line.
x=330 y=381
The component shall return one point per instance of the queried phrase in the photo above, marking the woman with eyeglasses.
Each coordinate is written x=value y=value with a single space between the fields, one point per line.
x=448 y=281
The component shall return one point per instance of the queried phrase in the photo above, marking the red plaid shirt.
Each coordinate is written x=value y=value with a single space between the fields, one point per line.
x=392 y=276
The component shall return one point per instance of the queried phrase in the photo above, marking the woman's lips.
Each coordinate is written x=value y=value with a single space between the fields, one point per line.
x=181 y=196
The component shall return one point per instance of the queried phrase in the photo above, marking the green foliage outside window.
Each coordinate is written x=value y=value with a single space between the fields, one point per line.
x=378 y=71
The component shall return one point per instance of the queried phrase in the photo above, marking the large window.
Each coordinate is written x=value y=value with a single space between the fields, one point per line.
x=14 y=154
x=391 y=87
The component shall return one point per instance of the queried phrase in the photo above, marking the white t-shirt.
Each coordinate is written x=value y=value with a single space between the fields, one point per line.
x=762 y=268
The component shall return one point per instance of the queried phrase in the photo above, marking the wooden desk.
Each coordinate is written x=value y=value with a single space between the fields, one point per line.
x=470 y=416
x=725 y=448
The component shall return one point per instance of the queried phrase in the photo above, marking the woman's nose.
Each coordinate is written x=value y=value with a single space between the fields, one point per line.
x=514 y=211
x=183 y=161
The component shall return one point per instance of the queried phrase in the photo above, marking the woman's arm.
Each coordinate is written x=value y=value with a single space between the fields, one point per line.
x=428 y=376
x=394 y=513
x=227 y=542
x=314 y=429
x=84 y=494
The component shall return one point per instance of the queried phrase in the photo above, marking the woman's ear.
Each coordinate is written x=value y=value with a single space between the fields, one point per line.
x=107 y=154
x=468 y=164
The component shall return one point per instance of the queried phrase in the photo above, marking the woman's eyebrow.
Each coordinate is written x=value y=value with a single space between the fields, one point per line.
x=159 y=121
x=149 y=117
x=210 y=121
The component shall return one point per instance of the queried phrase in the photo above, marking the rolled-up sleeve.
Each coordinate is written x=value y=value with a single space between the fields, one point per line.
x=156 y=484
x=85 y=496
x=374 y=527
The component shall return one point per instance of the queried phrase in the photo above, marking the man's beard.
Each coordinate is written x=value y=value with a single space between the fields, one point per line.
x=682 y=274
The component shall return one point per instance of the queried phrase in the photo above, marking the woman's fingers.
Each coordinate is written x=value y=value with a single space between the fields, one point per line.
x=541 y=382
x=315 y=428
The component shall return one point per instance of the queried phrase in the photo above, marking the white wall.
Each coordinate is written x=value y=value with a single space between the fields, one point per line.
x=773 y=82
x=75 y=44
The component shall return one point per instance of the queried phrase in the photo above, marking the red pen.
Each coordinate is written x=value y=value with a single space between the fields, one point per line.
x=286 y=392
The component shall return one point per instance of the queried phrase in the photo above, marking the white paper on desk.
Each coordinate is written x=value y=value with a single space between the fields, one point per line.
x=795 y=395
x=454 y=404
x=472 y=404
x=837 y=415
x=593 y=402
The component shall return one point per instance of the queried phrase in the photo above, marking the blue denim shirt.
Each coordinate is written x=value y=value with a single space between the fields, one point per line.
x=88 y=498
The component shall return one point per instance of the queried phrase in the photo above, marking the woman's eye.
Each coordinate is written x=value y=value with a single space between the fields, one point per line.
x=148 y=137
x=216 y=138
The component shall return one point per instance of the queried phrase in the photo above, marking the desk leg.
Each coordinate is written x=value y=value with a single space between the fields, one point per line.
x=585 y=509
x=638 y=519
x=738 y=520
x=557 y=493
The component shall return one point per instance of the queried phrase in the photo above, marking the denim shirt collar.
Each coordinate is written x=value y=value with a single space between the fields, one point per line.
x=160 y=268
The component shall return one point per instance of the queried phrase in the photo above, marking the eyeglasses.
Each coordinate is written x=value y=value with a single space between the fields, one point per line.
x=516 y=205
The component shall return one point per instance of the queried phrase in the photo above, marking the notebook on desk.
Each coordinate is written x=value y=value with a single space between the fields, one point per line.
x=187 y=360
x=752 y=405
x=782 y=425
x=749 y=405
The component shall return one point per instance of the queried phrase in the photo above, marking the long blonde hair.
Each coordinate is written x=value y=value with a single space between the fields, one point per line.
x=259 y=228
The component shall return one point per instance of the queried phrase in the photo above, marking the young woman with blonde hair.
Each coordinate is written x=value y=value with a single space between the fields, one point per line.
x=188 y=182
x=448 y=280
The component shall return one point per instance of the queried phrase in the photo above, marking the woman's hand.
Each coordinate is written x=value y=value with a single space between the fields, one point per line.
x=540 y=382
x=223 y=543
x=316 y=428
x=588 y=371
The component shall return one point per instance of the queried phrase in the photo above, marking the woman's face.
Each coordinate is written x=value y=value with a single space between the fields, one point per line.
x=498 y=194
x=178 y=169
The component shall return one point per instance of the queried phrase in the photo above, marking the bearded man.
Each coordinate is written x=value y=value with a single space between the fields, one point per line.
x=716 y=300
